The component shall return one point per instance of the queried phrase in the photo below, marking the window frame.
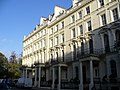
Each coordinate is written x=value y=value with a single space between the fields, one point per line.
x=87 y=10
x=115 y=14
x=62 y=24
x=72 y=18
x=81 y=29
x=80 y=15
x=73 y=33
x=101 y=2
x=103 y=19
x=89 y=25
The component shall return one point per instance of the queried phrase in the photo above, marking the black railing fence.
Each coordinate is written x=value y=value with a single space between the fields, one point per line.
x=99 y=84
x=109 y=84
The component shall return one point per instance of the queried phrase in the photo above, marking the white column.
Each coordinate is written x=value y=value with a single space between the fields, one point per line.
x=53 y=78
x=111 y=42
x=81 y=77
x=35 y=84
x=114 y=37
x=26 y=73
x=59 y=78
x=39 y=76
x=91 y=75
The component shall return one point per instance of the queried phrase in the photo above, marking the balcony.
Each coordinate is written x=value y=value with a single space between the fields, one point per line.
x=88 y=52
x=57 y=61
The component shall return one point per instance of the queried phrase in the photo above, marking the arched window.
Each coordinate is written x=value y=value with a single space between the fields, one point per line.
x=113 y=68
x=91 y=45
x=106 y=43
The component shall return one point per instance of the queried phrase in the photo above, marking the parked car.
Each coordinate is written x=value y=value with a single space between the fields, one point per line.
x=8 y=82
x=24 y=83
x=4 y=86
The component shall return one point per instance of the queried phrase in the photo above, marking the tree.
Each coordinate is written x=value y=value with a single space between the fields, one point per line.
x=20 y=59
x=13 y=57
x=3 y=65
x=13 y=70
x=13 y=66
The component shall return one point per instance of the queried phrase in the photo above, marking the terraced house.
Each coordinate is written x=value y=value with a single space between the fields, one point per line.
x=76 y=48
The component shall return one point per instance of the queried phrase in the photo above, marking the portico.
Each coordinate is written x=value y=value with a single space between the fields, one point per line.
x=57 y=77
x=38 y=74
x=84 y=77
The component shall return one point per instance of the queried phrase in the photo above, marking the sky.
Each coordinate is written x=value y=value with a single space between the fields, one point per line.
x=18 y=18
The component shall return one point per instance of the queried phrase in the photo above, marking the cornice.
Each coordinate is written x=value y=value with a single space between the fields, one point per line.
x=35 y=31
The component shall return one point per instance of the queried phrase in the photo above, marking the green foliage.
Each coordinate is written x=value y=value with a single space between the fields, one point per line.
x=9 y=69
x=3 y=65
x=13 y=70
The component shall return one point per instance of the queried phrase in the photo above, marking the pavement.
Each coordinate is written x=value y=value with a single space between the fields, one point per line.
x=30 y=89
x=40 y=89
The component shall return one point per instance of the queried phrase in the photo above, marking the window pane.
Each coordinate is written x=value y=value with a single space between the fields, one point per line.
x=62 y=24
x=73 y=32
x=115 y=14
x=81 y=29
x=73 y=18
x=89 y=26
x=88 y=10
x=101 y=2
x=103 y=17
x=80 y=15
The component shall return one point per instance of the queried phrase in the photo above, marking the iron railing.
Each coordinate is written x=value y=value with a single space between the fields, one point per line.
x=85 y=53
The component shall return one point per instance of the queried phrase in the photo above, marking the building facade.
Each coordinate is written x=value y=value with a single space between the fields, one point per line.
x=76 y=48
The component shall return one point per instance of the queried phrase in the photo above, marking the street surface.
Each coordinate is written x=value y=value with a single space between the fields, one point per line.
x=29 y=89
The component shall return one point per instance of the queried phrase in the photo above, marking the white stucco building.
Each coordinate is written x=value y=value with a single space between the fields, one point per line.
x=76 y=48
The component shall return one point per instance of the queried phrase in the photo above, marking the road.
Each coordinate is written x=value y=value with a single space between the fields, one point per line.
x=28 y=89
